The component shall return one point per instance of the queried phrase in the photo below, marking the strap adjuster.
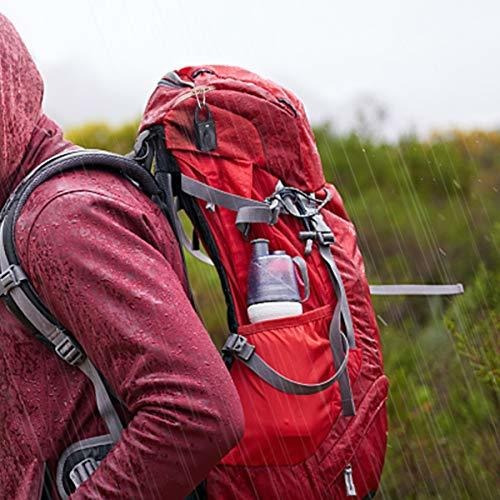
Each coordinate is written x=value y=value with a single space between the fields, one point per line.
x=69 y=351
x=10 y=279
x=83 y=470
x=322 y=237
x=326 y=237
x=319 y=232
x=237 y=345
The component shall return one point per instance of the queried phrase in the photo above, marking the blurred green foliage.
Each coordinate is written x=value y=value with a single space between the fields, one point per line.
x=100 y=135
x=426 y=212
x=478 y=312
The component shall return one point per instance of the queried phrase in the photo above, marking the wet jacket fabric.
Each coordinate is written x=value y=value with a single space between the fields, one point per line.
x=106 y=263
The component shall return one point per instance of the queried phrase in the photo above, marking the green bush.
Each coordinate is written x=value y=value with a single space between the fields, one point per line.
x=474 y=321
x=103 y=136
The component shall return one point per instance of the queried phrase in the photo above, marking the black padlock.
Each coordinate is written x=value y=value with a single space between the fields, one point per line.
x=204 y=129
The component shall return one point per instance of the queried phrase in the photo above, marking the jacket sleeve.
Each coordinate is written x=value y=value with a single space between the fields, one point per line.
x=99 y=265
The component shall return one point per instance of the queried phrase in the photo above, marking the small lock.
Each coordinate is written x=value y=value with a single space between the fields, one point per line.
x=204 y=129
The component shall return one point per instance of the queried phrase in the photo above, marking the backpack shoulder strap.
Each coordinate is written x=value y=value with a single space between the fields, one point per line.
x=19 y=294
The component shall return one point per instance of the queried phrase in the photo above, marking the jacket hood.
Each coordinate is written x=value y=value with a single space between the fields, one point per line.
x=27 y=137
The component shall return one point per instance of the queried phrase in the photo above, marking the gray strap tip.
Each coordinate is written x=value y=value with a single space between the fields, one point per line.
x=455 y=289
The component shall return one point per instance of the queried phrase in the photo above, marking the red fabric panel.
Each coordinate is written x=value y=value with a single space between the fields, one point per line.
x=283 y=429
x=358 y=441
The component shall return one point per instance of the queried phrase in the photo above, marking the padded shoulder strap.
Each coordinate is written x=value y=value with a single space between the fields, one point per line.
x=19 y=294
x=74 y=160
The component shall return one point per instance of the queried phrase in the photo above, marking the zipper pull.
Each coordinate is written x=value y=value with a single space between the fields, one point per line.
x=349 y=483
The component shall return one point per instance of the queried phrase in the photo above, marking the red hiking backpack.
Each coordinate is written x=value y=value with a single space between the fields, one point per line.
x=237 y=154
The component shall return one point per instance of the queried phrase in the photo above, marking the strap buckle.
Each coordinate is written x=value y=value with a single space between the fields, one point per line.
x=275 y=209
x=237 y=345
x=322 y=237
x=69 y=351
x=141 y=147
x=83 y=470
x=317 y=231
x=10 y=279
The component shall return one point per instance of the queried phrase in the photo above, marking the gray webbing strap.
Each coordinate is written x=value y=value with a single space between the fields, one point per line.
x=456 y=289
x=245 y=352
x=255 y=215
x=335 y=328
x=104 y=404
x=249 y=211
x=63 y=344
x=217 y=196
x=188 y=245
x=326 y=254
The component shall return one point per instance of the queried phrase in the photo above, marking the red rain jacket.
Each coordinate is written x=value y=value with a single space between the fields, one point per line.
x=104 y=260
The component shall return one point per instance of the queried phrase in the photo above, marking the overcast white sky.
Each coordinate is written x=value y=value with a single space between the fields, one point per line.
x=432 y=63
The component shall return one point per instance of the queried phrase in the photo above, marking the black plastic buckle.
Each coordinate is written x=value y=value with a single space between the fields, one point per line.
x=237 y=345
x=69 y=351
x=323 y=238
x=141 y=147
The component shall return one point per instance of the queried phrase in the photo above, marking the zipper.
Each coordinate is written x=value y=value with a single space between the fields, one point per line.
x=288 y=104
x=282 y=102
x=349 y=483
x=200 y=71
x=173 y=80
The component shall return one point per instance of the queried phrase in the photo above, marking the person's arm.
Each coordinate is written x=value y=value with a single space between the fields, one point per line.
x=96 y=263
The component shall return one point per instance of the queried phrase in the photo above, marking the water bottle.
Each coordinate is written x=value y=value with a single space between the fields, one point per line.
x=273 y=291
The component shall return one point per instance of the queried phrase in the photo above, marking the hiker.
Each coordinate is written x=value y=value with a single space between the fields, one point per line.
x=105 y=261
